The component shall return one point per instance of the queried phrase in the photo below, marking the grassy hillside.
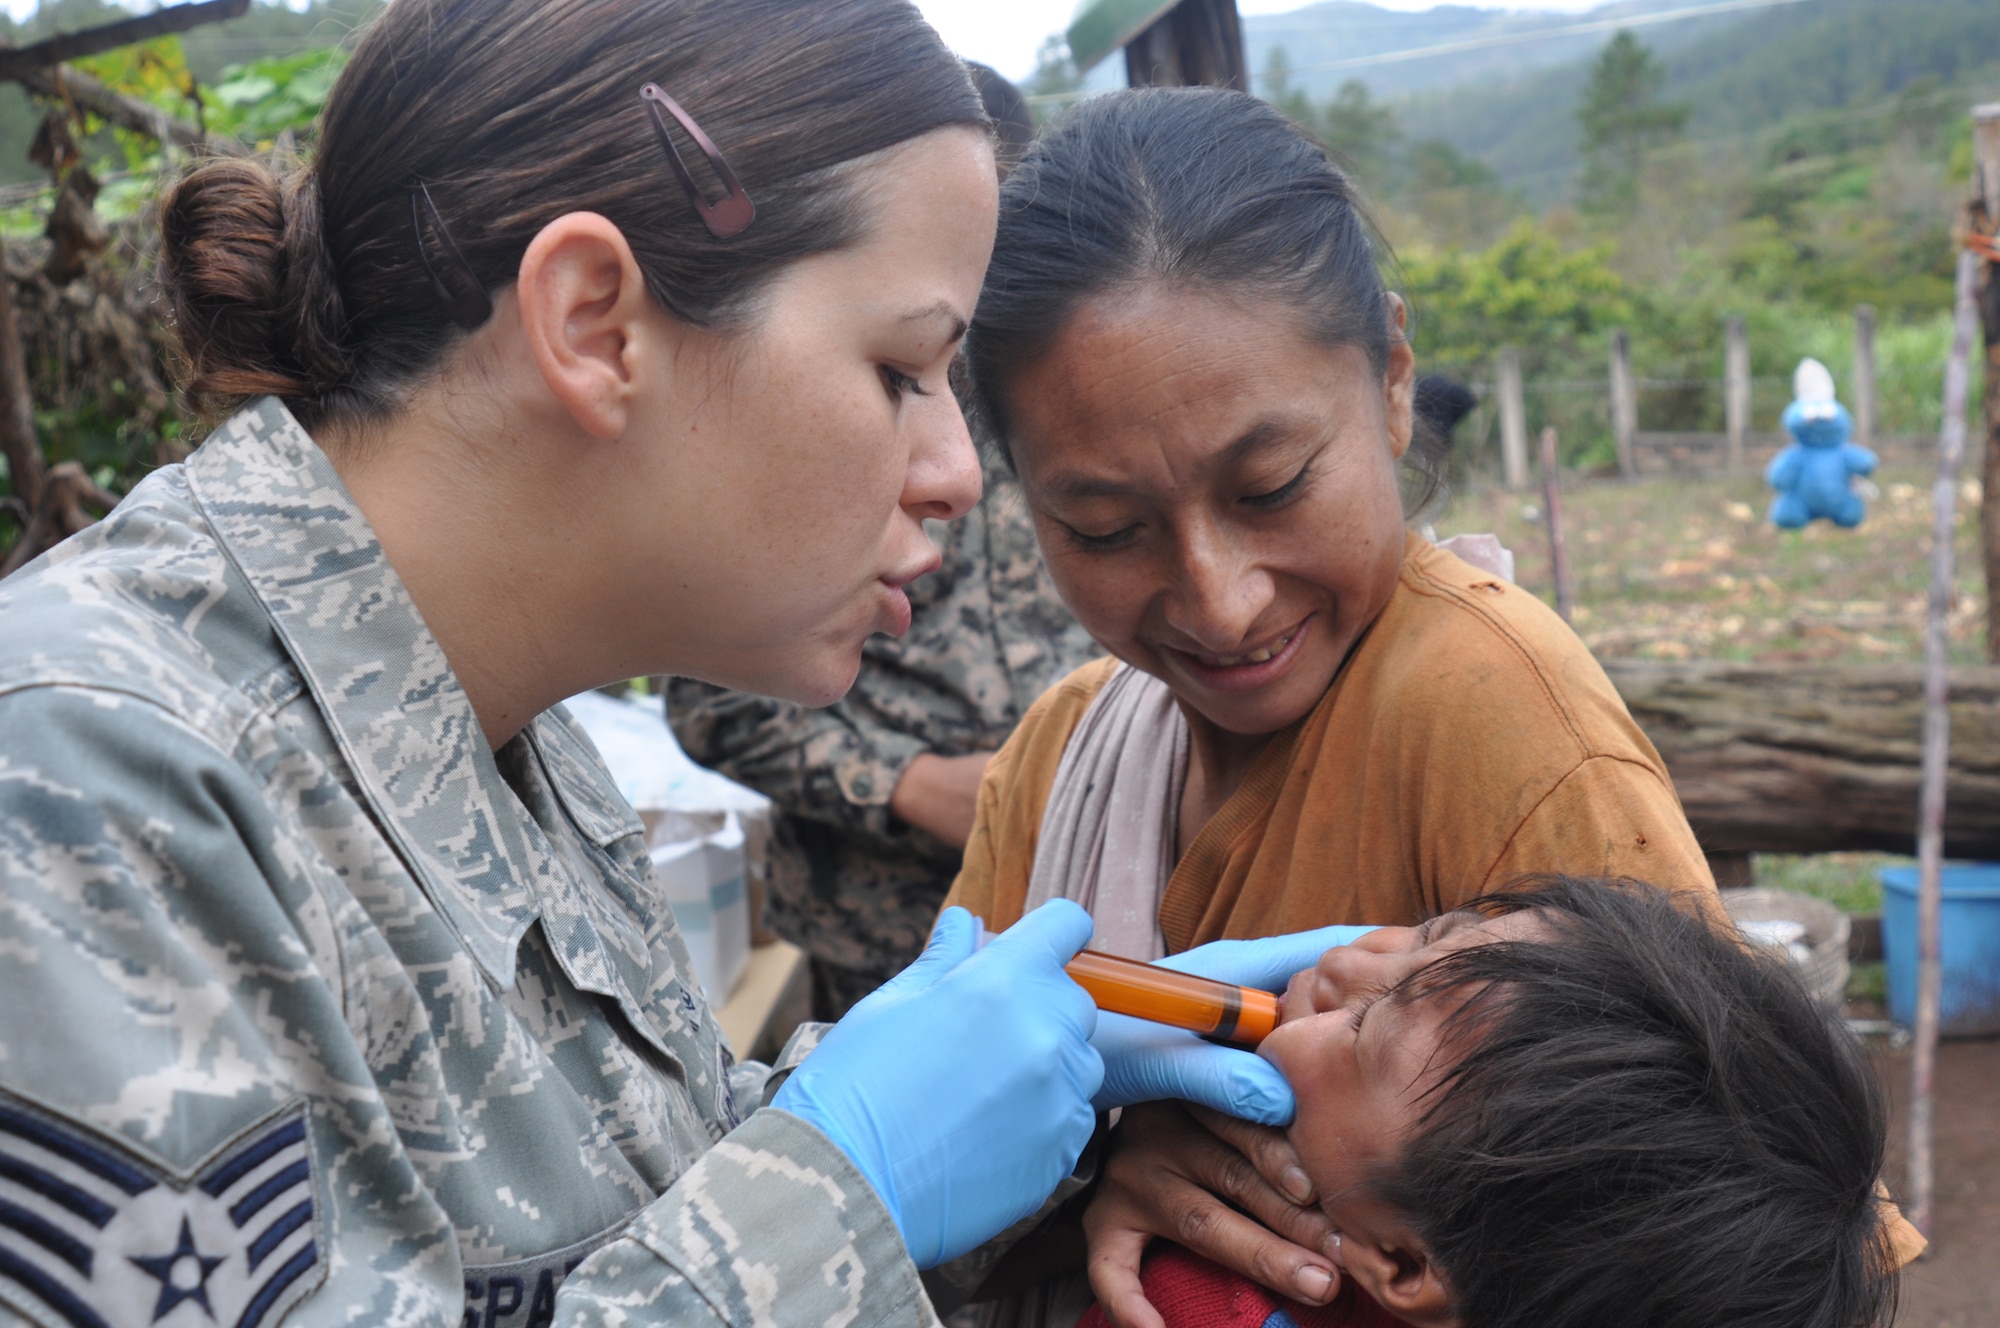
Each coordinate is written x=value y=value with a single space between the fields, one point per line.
x=1831 y=70
x=1822 y=156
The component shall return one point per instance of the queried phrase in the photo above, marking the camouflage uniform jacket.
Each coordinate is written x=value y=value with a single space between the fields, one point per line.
x=851 y=883
x=320 y=1011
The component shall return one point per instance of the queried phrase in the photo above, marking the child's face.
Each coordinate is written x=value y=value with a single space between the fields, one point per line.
x=1361 y=1066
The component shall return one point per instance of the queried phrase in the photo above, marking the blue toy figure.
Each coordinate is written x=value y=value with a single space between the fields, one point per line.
x=1812 y=476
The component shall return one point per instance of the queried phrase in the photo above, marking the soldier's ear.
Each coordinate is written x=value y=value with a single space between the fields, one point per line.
x=584 y=311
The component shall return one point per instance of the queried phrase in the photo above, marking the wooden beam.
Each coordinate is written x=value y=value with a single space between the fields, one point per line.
x=89 y=92
x=16 y=61
x=1103 y=26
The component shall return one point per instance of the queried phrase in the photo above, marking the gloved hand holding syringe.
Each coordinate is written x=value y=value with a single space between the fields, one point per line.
x=1164 y=1028
x=1029 y=1060
x=1218 y=1011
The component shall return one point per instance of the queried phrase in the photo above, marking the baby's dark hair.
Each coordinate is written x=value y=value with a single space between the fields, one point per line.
x=1648 y=1124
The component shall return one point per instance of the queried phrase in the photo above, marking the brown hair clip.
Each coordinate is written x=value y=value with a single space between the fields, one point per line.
x=470 y=307
x=732 y=213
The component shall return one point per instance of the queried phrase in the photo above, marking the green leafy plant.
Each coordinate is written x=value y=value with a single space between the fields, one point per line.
x=259 y=101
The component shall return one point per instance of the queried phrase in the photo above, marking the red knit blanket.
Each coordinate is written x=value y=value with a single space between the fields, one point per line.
x=1191 y=1292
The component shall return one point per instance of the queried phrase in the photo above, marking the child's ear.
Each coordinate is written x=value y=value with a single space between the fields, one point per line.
x=1391 y=1264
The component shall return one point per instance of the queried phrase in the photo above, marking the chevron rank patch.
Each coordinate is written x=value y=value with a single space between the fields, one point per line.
x=102 y=1238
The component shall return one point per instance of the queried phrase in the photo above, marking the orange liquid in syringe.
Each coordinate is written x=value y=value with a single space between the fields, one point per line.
x=1239 y=1016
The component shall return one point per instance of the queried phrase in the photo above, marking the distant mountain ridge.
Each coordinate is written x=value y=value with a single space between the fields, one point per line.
x=1324 y=34
x=1514 y=107
x=1766 y=68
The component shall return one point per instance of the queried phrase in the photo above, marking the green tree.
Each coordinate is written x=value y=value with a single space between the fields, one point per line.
x=1526 y=291
x=1278 y=90
x=1361 y=131
x=1435 y=164
x=1623 y=118
x=1055 y=74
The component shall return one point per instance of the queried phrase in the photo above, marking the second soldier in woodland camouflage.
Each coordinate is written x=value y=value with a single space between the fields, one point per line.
x=851 y=883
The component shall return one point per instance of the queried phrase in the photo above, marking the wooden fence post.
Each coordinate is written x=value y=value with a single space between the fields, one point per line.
x=1862 y=390
x=1553 y=515
x=1624 y=403
x=1937 y=737
x=1983 y=218
x=1736 y=387
x=1513 y=420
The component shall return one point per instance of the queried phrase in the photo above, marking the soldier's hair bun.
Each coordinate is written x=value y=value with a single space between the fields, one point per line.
x=324 y=288
x=250 y=285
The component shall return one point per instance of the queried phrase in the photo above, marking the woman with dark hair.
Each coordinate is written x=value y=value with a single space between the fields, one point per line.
x=1313 y=716
x=600 y=338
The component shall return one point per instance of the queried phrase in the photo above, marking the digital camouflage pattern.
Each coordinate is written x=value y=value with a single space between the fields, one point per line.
x=320 y=1011
x=851 y=884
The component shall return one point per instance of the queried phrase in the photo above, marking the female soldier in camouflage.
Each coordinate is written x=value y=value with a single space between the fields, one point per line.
x=601 y=338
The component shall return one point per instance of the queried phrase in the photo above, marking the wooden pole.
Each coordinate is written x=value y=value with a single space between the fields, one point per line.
x=1937 y=739
x=1624 y=402
x=1513 y=420
x=1736 y=387
x=1558 y=548
x=1983 y=218
x=1862 y=390
x=1197 y=42
x=23 y=449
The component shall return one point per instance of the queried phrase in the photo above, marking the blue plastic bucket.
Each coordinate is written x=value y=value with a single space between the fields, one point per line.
x=1969 y=928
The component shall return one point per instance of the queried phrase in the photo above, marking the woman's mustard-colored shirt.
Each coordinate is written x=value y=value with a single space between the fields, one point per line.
x=1469 y=739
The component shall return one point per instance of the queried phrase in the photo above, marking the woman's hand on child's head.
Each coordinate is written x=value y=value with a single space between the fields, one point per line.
x=1228 y=1190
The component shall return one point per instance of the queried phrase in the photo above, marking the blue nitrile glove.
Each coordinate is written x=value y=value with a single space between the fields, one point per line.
x=962 y=1088
x=1144 y=1061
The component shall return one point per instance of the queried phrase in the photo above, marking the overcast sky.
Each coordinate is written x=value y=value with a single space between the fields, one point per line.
x=1005 y=33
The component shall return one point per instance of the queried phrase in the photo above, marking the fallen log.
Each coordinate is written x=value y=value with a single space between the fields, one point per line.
x=1792 y=759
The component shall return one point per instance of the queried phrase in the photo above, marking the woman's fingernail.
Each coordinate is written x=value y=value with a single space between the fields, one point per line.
x=1298 y=1185
x=1314 y=1284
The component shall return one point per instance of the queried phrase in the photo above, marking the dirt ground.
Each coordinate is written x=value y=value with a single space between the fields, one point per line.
x=1957 y=1284
x=1689 y=568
